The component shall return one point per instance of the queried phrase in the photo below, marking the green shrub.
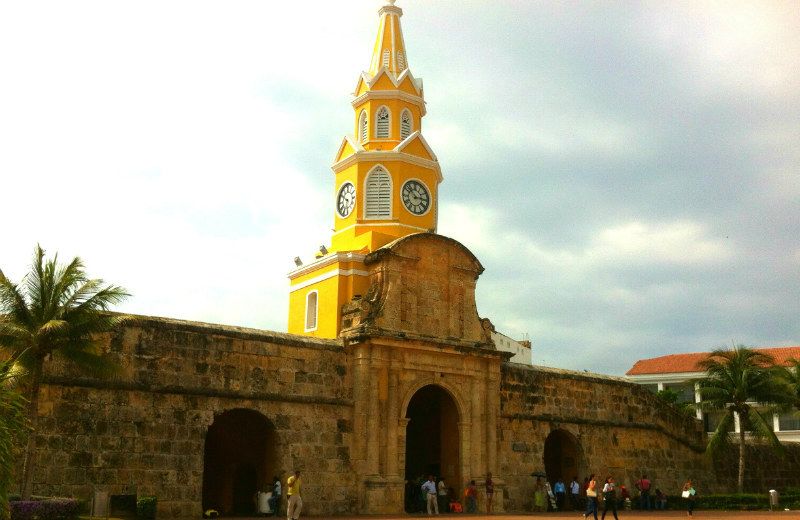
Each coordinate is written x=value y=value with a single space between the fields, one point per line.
x=146 y=507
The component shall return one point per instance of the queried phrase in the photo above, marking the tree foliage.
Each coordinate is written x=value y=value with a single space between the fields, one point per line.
x=56 y=311
x=13 y=430
x=746 y=386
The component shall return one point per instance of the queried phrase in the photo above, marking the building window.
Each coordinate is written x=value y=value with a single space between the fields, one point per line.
x=787 y=422
x=400 y=62
x=311 y=311
x=711 y=420
x=405 y=124
x=379 y=194
x=383 y=122
x=362 y=126
x=386 y=56
x=685 y=392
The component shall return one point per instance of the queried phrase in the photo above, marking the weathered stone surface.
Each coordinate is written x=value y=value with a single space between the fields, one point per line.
x=342 y=411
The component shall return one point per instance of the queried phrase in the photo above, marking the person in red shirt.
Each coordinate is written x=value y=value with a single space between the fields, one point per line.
x=643 y=485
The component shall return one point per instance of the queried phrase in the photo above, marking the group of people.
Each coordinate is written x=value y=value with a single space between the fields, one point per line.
x=437 y=496
x=295 y=504
x=611 y=501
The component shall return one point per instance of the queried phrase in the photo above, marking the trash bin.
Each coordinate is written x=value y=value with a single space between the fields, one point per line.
x=773 y=499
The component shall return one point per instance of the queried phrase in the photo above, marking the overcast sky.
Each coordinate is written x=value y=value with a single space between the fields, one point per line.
x=628 y=173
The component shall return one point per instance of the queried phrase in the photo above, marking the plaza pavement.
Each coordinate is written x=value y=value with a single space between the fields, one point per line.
x=623 y=515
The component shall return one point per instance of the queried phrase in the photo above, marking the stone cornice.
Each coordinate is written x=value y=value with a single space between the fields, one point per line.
x=110 y=384
x=390 y=94
x=325 y=261
x=384 y=156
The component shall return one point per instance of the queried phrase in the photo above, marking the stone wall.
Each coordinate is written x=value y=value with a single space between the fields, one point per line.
x=144 y=431
x=765 y=469
x=616 y=428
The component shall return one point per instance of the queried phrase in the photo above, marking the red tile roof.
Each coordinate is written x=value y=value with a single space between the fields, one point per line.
x=675 y=363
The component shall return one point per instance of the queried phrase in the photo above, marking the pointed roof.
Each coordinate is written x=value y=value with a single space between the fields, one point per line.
x=390 y=49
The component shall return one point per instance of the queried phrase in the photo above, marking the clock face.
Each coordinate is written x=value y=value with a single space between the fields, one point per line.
x=346 y=200
x=416 y=198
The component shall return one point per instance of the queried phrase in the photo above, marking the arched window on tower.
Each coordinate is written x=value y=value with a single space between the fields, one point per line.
x=400 y=62
x=386 y=57
x=383 y=122
x=362 y=126
x=406 y=124
x=379 y=194
x=311 y=311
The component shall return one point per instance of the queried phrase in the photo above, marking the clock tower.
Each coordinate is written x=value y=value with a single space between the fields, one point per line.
x=386 y=184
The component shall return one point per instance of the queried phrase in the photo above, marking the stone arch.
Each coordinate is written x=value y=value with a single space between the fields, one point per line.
x=562 y=456
x=432 y=417
x=239 y=459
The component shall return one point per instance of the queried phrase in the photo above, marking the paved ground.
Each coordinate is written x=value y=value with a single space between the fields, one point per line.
x=623 y=515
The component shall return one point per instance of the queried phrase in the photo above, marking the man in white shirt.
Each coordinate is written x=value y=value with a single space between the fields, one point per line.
x=575 y=493
x=429 y=489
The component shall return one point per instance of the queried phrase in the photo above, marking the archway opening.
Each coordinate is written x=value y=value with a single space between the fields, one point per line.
x=561 y=457
x=240 y=459
x=432 y=443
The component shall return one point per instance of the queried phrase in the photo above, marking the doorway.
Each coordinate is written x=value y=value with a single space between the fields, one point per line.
x=240 y=459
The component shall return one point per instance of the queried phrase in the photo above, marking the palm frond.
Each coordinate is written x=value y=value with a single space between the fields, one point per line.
x=720 y=440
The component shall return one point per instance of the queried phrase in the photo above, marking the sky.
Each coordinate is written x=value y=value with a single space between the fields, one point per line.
x=628 y=173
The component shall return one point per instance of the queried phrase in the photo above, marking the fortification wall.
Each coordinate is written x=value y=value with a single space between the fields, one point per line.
x=144 y=431
x=606 y=424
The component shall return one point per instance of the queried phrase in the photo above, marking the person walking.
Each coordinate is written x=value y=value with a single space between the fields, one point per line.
x=575 y=492
x=591 y=497
x=609 y=498
x=293 y=492
x=689 y=494
x=429 y=490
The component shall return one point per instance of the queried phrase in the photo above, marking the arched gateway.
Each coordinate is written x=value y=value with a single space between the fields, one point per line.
x=239 y=460
x=432 y=442
x=561 y=456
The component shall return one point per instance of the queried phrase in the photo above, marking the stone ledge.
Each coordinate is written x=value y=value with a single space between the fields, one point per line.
x=193 y=391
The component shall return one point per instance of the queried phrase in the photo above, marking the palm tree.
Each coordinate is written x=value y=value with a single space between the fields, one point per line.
x=13 y=428
x=55 y=311
x=745 y=384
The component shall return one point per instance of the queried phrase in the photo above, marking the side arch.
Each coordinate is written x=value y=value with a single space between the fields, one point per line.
x=563 y=456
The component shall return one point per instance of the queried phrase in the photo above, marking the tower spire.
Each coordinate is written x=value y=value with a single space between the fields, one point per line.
x=390 y=49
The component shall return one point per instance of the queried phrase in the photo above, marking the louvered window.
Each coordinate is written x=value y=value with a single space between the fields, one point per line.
x=400 y=62
x=405 y=124
x=382 y=130
x=311 y=311
x=379 y=195
x=386 y=57
x=362 y=126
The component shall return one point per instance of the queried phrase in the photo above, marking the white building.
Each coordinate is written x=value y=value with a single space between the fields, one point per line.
x=676 y=372
x=520 y=349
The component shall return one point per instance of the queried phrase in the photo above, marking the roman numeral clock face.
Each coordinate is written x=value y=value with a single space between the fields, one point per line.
x=416 y=198
x=346 y=200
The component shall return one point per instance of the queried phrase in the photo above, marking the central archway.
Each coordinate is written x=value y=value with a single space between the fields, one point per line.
x=561 y=457
x=239 y=461
x=432 y=442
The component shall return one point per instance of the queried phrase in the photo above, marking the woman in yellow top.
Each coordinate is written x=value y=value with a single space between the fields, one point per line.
x=293 y=492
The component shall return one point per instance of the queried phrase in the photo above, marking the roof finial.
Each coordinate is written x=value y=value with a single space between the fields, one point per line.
x=391 y=2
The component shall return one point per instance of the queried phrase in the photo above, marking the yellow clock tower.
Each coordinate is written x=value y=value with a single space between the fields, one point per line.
x=386 y=185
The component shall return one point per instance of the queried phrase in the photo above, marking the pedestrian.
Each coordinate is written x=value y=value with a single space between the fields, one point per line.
x=538 y=495
x=429 y=490
x=591 y=497
x=443 y=492
x=275 y=499
x=472 y=497
x=489 y=493
x=661 y=500
x=575 y=492
x=560 y=491
x=293 y=484
x=609 y=497
x=689 y=494
x=643 y=485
